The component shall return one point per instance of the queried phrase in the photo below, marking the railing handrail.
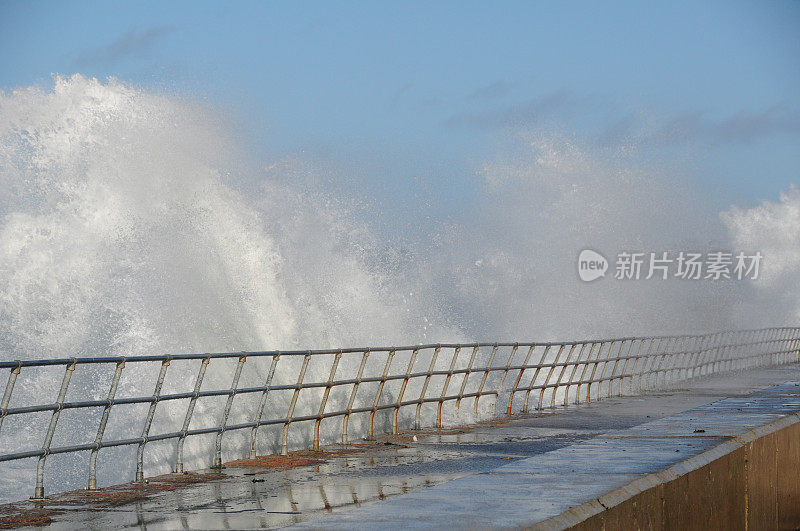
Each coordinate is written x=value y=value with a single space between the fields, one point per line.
x=41 y=362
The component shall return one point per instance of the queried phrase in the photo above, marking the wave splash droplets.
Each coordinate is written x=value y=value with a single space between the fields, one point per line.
x=122 y=234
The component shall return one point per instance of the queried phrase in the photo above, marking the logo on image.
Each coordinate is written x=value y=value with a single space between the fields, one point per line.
x=591 y=265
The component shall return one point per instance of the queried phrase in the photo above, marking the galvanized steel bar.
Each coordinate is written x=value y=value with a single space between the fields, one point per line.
x=403 y=390
x=149 y=421
x=379 y=393
x=187 y=419
x=227 y=410
x=260 y=410
x=417 y=421
x=519 y=377
x=445 y=386
x=533 y=379
x=12 y=378
x=583 y=373
x=605 y=362
x=597 y=361
x=561 y=375
x=98 y=440
x=485 y=376
x=499 y=388
x=466 y=377
x=292 y=404
x=51 y=429
x=549 y=374
x=350 y=403
x=625 y=365
x=572 y=374
x=325 y=394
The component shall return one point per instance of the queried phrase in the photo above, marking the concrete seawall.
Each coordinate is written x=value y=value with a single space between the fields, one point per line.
x=749 y=482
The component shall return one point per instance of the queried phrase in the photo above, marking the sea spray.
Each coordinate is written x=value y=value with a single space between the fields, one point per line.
x=123 y=232
x=129 y=225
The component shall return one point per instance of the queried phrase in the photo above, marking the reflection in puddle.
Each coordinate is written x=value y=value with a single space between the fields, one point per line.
x=252 y=497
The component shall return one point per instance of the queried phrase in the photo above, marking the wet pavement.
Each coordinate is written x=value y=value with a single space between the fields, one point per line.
x=509 y=472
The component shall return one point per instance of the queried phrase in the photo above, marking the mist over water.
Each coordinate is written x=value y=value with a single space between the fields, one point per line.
x=130 y=225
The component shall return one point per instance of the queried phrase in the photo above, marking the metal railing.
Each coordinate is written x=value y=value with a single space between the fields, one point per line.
x=428 y=376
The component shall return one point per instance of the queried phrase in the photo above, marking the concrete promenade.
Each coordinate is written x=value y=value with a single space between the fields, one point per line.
x=511 y=473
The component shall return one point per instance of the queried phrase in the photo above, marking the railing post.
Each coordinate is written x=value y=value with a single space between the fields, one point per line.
x=789 y=339
x=692 y=348
x=51 y=429
x=535 y=375
x=711 y=354
x=597 y=361
x=719 y=339
x=636 y=358
x=700 y=357
x=686 y=343
x=762 y=347
x=572 y=374
x=619 y=356
x=724 y=350
x=418 y=419
x=260 y=411
x=350 y=403
x=561 y=374
x=660 y=357
x=759 y=346
x=503 y=378
x=696 y=358
x=797 y=345
x=403 y=390
x=646 y=379
x=674 y=371
x=226 y=412
x=625 y=361
x=325 y=394
x=188 y=417
x=377 y=400
x=466 y=377
x=645 y=361
x=12 y=378
x=680 y=358
x=582 y=377
x=293 y=403
x=796 y=358
x=486 y=372
x=445 y=386
x=778 y=341
x=775 y=356
x=610 y=385
x=740 y=360
x=102 y=428
x=148 y=421
x=519 y=378
x=549 y=374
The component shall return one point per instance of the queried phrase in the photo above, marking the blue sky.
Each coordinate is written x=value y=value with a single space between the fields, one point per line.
x=409 y=98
